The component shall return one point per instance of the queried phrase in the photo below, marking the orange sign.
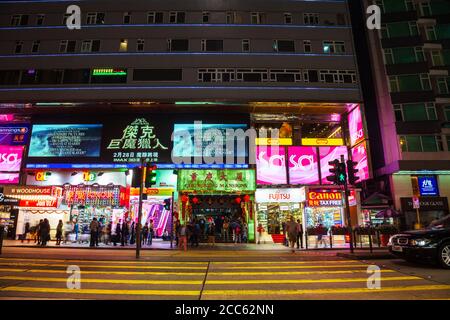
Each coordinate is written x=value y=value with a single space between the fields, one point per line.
x=324 y=198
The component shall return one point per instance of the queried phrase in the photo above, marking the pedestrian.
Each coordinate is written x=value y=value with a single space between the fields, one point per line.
x=183 y=237
x=237 y=233
x=292 y=232
x=283 y=227
x=145 y=232
x=117 y=233
x=124 y=234
x=196 y=234
x=212 y=234
x=244 y=233
x=177 y=232
x=107 y=234
x=320 y=233
x=299 y=234
x=38 y=232
x=133 y=233
x=59 y=232
x=94 y=232
x=151 y=232
x=225 y=230
x=44 y=229
x=68 y=229
x=26 y=231
x=76 y=229
x=260 y=231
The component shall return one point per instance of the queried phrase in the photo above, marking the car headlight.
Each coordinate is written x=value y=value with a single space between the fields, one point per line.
x=390 y=240
x=420 y=242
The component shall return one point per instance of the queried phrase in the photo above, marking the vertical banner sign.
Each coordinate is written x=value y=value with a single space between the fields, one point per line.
x=355 y=125
x=359 y=155
x=328 y=154
x=10 y=162
x=270 y=165
x=303 y=165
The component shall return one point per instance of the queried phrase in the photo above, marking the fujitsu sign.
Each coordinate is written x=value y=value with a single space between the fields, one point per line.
x=10 y=158
x=279 y=195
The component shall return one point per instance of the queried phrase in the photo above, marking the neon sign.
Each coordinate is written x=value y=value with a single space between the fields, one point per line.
x=324 y=199
x=109 y=72
x=322 y=141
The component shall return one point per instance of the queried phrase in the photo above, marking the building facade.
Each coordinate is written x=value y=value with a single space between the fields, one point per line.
x=264 y=64
x=410 y=59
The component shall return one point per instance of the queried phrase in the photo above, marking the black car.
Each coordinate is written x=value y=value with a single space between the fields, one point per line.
x=431 y=244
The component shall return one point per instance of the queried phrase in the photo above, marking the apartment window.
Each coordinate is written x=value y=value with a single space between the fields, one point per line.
x=388 y=56
x=177 y=17
x=35 y=46
x=33 y=76
x=311 y=76
x=443 y=85
x=178 y=45
x=420 y=56
x=332 y=47
x=140 y=45
x=412 y=143
x=155 y=17
x=285 y=75
x=409 y=5
x=288 y=18
x=430 y=32
x=127 y=18
x=307 y=46
x=252 y=75
x=398 y=110
x=95 y=18
x=284 y=45
x=393 y=84
x=246 y=45
x=212 y=45
x=413 y=29
x=90 y=46
x=216 y=75
x=257 y=17
x=19 y=47
x=447 y=114
x=231 y=17
x=205 y=17
x=19 y=20
x=9 y=77
x=40 y=19
x=157 y=75
x=123 y=46
x=415 y=112
x=431 y=111
x=337 y=76
x=425 y=82
x=67 y=46
x=76 y=76
x=436 y=57
x=425 y=9
x=311 y=18
x=384 y=32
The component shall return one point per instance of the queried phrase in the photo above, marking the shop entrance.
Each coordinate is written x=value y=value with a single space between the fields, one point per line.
x=273 y=215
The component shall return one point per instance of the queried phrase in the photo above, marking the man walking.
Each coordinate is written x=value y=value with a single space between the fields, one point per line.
x=292 y=232
x=94 y=232
x=300 y=234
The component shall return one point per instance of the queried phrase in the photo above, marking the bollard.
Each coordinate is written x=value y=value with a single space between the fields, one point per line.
x=2 y=229
x=306 y=240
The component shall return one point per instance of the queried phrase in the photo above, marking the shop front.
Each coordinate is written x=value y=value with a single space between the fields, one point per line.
x=427 y=209
x=218 y=195
x=8 y=214
x=275 y=206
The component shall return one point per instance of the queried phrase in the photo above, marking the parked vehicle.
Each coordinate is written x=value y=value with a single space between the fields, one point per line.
x=431 y=244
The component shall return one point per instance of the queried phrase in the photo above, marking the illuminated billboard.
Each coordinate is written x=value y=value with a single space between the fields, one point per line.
x=355 y=125
x=270 y=165
x=359 y=155
x=328 y=154
x=303 y=165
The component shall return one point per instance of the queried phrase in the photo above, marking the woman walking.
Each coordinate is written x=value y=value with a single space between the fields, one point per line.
x=45 y=232
x=59 y=232
x=183 y=237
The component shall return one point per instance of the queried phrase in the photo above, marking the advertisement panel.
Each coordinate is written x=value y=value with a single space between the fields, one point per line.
x=428 y=186
x=303 y=165
x=270 y=165
x=355 y=125
x=359 y=155
x=10 y=158
x=65 y=140
x=9 y=178
x=14 y=134
x=279 y=195
x=324 y=199
x=191 y=140
x=216 y=180
x=328 y=154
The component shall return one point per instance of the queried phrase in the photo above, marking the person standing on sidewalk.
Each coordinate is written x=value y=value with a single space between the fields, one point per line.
x=183 y=237
x=260 y=231
x=145 y=231
x=59 y=232
x=117 y=233
x=292 y=232
x=212 y=234
x=151 y=232
x=26 y=230
x=68 y=228
x=124 y=234
x=38 y=232
x=94 y=232
x=300 y=234
x=45 y=232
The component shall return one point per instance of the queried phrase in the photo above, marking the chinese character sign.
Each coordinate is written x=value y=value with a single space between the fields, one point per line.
x=139 y=139
x=216 y=180
x=428 y=186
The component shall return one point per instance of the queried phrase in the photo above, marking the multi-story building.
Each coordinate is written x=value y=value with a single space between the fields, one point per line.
x=262 y=63
x=410 y=59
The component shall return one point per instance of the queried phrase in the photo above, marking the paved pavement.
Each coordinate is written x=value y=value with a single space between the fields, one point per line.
x=209 y=274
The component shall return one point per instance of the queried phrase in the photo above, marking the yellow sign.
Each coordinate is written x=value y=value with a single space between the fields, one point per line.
x=322 y=141
x=273 y=142
x=153 y=191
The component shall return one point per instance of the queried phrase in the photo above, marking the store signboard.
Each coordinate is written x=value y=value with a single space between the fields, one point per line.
x=9 y=178
x=322 y=141
x=273 y=141
x=270 y=165
x=328 y=154
x=428 y=186
x=426 y=204
x=42 y=203
x=76 y=177
x=324 y=198
x=93 y=195
x=34 y=191
x=355 y=124
x=10 y=158
x=359 y=155
x=216 y=180
x=303 y=165
x=65 y=140
x=109 y=72
x=279 y=196
x=14 y=134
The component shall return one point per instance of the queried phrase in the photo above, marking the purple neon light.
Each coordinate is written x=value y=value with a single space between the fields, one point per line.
x=303 y=165
x=270 y=165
